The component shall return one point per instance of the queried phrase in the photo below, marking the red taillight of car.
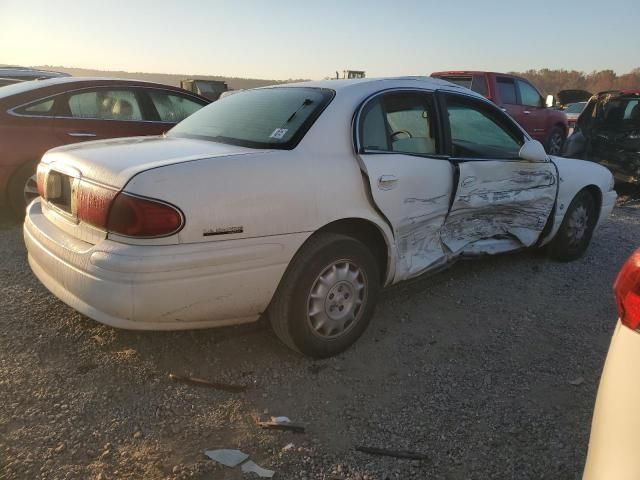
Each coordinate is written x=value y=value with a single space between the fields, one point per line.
x=126 y=214
x=93 y=203
x=627 y=291
x=40 y=176
x=143 y=217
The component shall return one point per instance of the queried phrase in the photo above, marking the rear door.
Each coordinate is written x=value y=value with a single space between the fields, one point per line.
x=501 y=202
x=400 y=150
x=507 y=96
x=104 y=112
x=534 y=111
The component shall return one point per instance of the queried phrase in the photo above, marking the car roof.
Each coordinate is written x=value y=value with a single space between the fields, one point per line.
x=35 y=85
x=382 y=83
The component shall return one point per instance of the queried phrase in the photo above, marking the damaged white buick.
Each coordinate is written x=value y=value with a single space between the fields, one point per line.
x=300 y=202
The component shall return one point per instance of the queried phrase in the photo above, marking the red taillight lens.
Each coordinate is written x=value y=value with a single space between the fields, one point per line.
x=40 y=175
x=143 y=217
x=627 y=291
x=93 y=204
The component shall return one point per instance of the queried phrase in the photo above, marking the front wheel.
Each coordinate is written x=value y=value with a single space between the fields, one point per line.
x=574 y=234
x=327 y=296
x=555 y=141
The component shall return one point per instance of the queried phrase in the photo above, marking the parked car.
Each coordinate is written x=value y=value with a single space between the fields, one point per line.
x=565 y=97
x=615 y=429
x=10 y=74
x=573 y=111
x=520 y=99
x=37 y=116
x=302 y=201
x=608 y=132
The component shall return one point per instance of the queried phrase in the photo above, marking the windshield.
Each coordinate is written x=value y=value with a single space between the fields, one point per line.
x=575 y=107
x=260 y=118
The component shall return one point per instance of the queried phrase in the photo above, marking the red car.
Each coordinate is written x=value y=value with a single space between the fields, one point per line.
x=38 y=115
x=520 y=99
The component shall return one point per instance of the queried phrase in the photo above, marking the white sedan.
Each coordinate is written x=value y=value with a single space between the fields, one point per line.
x=300 y=201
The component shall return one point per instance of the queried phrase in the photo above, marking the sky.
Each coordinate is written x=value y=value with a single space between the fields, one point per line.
x=281 y=39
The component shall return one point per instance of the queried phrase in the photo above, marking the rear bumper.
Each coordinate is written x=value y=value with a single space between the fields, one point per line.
x=615 y=431
x=168 y=287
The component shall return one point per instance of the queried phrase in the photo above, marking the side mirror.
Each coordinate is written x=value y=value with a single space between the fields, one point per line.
x=550 y=101
x=533 y=151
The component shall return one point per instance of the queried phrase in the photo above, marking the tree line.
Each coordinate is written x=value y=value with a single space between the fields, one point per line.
x=552 y=81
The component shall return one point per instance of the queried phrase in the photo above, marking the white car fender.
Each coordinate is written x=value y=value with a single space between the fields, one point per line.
x=573 y=176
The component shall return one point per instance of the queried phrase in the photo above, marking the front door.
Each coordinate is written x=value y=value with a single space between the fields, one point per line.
x=501 y=202
x=411 y=183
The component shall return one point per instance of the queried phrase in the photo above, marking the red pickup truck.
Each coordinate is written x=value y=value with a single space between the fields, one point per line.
x=520 y=99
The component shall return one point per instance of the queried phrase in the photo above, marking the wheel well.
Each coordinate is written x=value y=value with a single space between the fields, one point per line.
x=596 y=193
x=366 y=232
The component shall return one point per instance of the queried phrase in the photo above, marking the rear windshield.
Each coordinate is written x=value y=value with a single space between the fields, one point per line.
x=575 y=107
x=260 y=118
x=477 y=83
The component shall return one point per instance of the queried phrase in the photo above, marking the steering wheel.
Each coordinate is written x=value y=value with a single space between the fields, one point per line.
x=400 y=132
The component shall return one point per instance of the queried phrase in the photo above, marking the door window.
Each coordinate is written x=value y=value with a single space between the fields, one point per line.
x=173 y=108
x=104 y=105
x=479 y=131
x=44 y=107
x=401 y=122
x=528 y=95
x=507 y=90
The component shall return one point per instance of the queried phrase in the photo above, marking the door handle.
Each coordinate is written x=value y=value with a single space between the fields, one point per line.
x=387 y=182
x=81 y=134
x=526 y=112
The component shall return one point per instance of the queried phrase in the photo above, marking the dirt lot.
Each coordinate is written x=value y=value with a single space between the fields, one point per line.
x=475 y=367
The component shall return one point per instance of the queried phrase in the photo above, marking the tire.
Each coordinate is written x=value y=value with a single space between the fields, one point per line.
x=22 y=182
x=340 y=272
x=555 y=141
x=574 y=234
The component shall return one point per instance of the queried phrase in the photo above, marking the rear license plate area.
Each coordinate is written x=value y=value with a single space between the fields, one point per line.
x=59 y=191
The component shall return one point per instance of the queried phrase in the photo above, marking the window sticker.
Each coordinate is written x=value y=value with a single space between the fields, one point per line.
x=278 y=133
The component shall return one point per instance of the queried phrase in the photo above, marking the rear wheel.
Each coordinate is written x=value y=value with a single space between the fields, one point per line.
x=22 y=189
x=327 y=296
x=574 y=234
x=555 y=141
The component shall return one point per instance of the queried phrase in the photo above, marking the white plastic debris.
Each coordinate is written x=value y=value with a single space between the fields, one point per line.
x=288 y=446
x=280 y=420
x=253 y=467
x=228 y=458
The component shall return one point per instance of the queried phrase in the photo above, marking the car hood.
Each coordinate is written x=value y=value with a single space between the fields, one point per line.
x=572 y=96
x=114 y=162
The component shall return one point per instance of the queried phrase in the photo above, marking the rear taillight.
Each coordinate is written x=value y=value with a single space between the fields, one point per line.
x=93 y=203
x=125 y=214
x=143 y=217
x=40 y=176
x=627 y=291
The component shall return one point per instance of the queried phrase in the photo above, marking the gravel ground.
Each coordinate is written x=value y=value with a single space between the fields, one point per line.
x=475 y=367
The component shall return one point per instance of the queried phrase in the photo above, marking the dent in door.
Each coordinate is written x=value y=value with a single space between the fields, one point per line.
x=418 y=236
x=500 y=200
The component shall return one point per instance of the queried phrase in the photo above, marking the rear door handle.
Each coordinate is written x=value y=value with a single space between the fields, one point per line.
x=387 y=182
x=526 y=112
x=81 y=134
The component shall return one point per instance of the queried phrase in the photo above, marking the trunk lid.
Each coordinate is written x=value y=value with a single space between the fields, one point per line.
x=106 y=166
x=114 y=162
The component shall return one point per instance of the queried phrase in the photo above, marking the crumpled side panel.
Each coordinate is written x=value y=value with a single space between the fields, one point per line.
x=498 y=199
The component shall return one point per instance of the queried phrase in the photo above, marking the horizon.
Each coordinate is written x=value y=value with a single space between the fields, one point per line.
x=244 y=39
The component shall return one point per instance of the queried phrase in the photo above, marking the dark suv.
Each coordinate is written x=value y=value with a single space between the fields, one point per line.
x=608 y=132
x=520 y=99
